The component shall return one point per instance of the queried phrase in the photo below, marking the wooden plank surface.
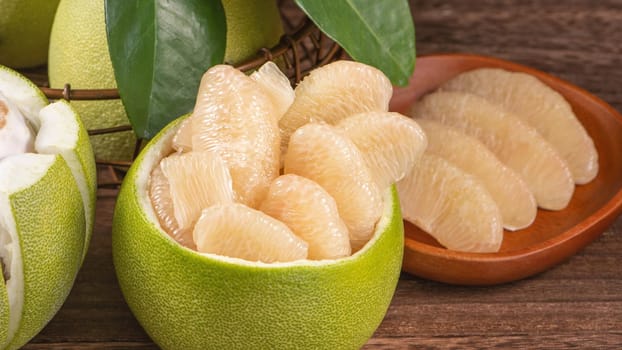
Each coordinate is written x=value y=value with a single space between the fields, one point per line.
x=578 y=304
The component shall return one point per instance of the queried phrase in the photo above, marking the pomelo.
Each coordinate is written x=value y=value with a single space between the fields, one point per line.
x=188 y=300
x=251 y=25
x=47 y=203
x=79 y=56
x=25 y=31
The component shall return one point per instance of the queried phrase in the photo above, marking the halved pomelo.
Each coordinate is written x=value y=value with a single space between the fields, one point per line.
x=514 y=142
x=46 y=213
x=189 y=300
x=540 y=106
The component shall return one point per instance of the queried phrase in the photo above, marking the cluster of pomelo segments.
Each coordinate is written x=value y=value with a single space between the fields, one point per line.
x=520 y=139
x=47 y=203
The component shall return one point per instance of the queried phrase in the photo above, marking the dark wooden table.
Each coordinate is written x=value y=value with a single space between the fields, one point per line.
x=577 y=304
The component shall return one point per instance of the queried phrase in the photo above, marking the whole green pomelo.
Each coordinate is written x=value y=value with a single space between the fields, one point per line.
x=79 y=56
x=187 y=300
x=251 y=25
x=25 y=31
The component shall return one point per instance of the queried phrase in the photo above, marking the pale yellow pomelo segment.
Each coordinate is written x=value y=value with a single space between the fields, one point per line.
x=160 y=195
x=321 y=153
x=540 y=106
x=276 y=85
x=42 y=225
x=182 y=142
x=79 y=55
x=251 y=25
x=451 y=205
x=25 y=31
x=334 y=92
x=311 y=213
x=234 y=118
x=183 y=185
x=515 y=143
x=16 y=136
x=62 y=132
x=390 y=142
x=515 y=201
x=303 y=305
x=237 y=231
x=28 y=98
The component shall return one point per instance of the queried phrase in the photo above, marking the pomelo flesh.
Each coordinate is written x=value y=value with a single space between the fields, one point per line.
x=541 y=107
x=515 y=143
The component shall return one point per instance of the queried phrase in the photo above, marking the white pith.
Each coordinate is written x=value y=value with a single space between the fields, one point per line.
x=163 y=147
x=15 y=134
x=59 y=135
x=23 y=94
x=17 y=172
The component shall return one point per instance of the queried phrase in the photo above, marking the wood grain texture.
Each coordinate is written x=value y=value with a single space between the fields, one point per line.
x=576 y=305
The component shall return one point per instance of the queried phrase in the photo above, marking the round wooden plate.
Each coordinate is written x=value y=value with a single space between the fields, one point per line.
x=555 y=235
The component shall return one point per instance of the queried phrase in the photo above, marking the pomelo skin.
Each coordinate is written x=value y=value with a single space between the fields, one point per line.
x=52 y=241
x=187 y=300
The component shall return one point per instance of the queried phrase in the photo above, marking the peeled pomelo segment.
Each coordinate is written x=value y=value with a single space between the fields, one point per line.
x=540 y=106
x=234 y=118
x=333 y=92
x=321 y=153
x=23 y=93
x=276 y=85
x=515 y=201
x=237 y=231
x=160 y=195
x=15 y=135
x=42 y=225
x=182 y=142
x=391 y=143
x=451 y=205
x=196 y=180
x=516 y=144
x=311 y=213
x=62 y=132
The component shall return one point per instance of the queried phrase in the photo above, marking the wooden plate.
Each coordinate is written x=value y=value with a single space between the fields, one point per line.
x=554 y=236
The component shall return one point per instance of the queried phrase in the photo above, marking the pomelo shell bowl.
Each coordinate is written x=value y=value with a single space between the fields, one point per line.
x=555 y=235
x=187 y=300
x=301 y=49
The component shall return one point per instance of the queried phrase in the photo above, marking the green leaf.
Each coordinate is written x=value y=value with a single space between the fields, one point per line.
x=159 y=50
x=379 y=33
